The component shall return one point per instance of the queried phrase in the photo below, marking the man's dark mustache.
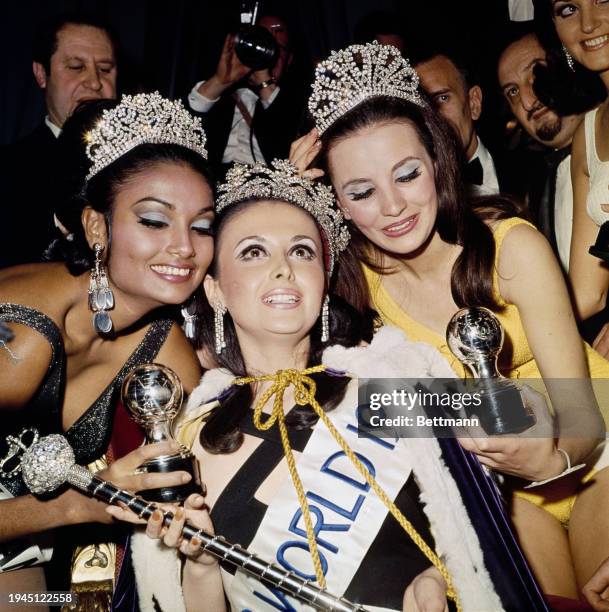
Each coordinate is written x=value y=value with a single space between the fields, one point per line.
x=538 y=106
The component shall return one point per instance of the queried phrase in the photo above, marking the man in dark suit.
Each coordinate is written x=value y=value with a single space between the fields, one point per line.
x=74 y=61
x=251 y=116
x=457 y=96
x=550 y=196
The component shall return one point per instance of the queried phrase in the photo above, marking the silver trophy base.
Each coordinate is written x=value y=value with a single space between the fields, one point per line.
x=184 y=462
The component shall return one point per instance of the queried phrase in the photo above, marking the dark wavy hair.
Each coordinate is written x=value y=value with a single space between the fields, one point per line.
x=100 y=192
x=348 y=327
x=460 y=219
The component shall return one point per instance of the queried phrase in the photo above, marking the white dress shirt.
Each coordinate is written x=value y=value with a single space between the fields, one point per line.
x=490 y=184
x=563 y=211
x=56 y=130
x=238 y=146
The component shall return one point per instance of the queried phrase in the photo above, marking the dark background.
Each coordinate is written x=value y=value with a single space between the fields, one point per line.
x=169 y=45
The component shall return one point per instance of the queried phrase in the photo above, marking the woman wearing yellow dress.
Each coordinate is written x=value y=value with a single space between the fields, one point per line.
x=426 y=250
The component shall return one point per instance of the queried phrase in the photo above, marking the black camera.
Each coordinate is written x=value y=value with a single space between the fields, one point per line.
x=254 y=45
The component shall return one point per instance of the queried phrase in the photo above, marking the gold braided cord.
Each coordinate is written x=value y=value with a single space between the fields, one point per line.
x=305 y=388
x=281 y=381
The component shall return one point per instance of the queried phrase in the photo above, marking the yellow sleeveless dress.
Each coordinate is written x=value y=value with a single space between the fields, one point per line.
x=515 y=361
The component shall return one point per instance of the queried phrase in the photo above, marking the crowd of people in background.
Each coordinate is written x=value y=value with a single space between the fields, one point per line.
x=75 y=59
x=392 y=210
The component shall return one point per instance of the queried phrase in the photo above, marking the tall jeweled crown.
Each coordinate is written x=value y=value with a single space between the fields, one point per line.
x=281 y=181
x=139 y=119
x=352 y=75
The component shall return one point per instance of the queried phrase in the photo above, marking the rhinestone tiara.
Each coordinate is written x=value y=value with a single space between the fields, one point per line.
x=139 y=119
x=352 y=75
x=281 y=181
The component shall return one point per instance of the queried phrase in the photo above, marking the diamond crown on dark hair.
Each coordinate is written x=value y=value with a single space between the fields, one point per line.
x=140 y=119
x=281 y=181
x=352 y=75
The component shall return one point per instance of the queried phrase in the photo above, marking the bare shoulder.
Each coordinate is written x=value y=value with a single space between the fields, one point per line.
x=179 y=355
x=523 y=245
x=25 y=360
x=526 y=263
x=48 y=288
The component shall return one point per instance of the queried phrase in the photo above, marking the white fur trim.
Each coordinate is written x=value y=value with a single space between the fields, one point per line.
x=213 y=382
x=157 y=573
x=392 y=355
x=389 y=355
x=456 y=540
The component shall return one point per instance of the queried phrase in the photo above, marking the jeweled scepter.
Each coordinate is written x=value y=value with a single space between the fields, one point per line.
x=50 y=462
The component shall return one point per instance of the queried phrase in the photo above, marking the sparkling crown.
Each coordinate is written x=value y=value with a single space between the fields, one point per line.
x=143 y=118
x=281 y=181
x=352 y=75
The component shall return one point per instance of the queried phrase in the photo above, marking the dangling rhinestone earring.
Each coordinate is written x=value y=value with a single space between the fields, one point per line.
x=101 y=297
x=569 y=59
x=189 y=312
x=325 y=323
x=219 y=311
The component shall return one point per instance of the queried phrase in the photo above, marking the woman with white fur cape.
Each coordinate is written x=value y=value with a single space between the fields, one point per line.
x=372 y=519
x=456 y=539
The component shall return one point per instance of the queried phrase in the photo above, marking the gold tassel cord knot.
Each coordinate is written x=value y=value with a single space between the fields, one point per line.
x=304 y=394
x=305 y=388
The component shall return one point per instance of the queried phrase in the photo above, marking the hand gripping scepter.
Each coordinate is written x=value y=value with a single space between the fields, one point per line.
x=50 y=463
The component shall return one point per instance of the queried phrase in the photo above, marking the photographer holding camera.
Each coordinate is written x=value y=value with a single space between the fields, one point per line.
x=253 y=103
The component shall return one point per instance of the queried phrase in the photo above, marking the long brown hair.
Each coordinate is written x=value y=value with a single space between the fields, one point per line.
x=460 y=219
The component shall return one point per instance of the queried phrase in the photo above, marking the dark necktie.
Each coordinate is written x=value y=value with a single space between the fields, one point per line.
x=472 y=173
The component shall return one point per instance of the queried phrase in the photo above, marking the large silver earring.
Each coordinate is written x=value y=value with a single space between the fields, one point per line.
x=569 y=59
x=189 y=312
x=325 y=320
x=219 y=311
x=101 y=298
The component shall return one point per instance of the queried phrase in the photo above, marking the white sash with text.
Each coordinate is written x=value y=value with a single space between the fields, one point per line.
x=346 y=513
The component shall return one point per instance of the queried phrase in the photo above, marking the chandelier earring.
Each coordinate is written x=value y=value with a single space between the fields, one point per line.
x=219 y=311
x=189 y=312
x=101 y=298
x=325 y=319
x=568 y=58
